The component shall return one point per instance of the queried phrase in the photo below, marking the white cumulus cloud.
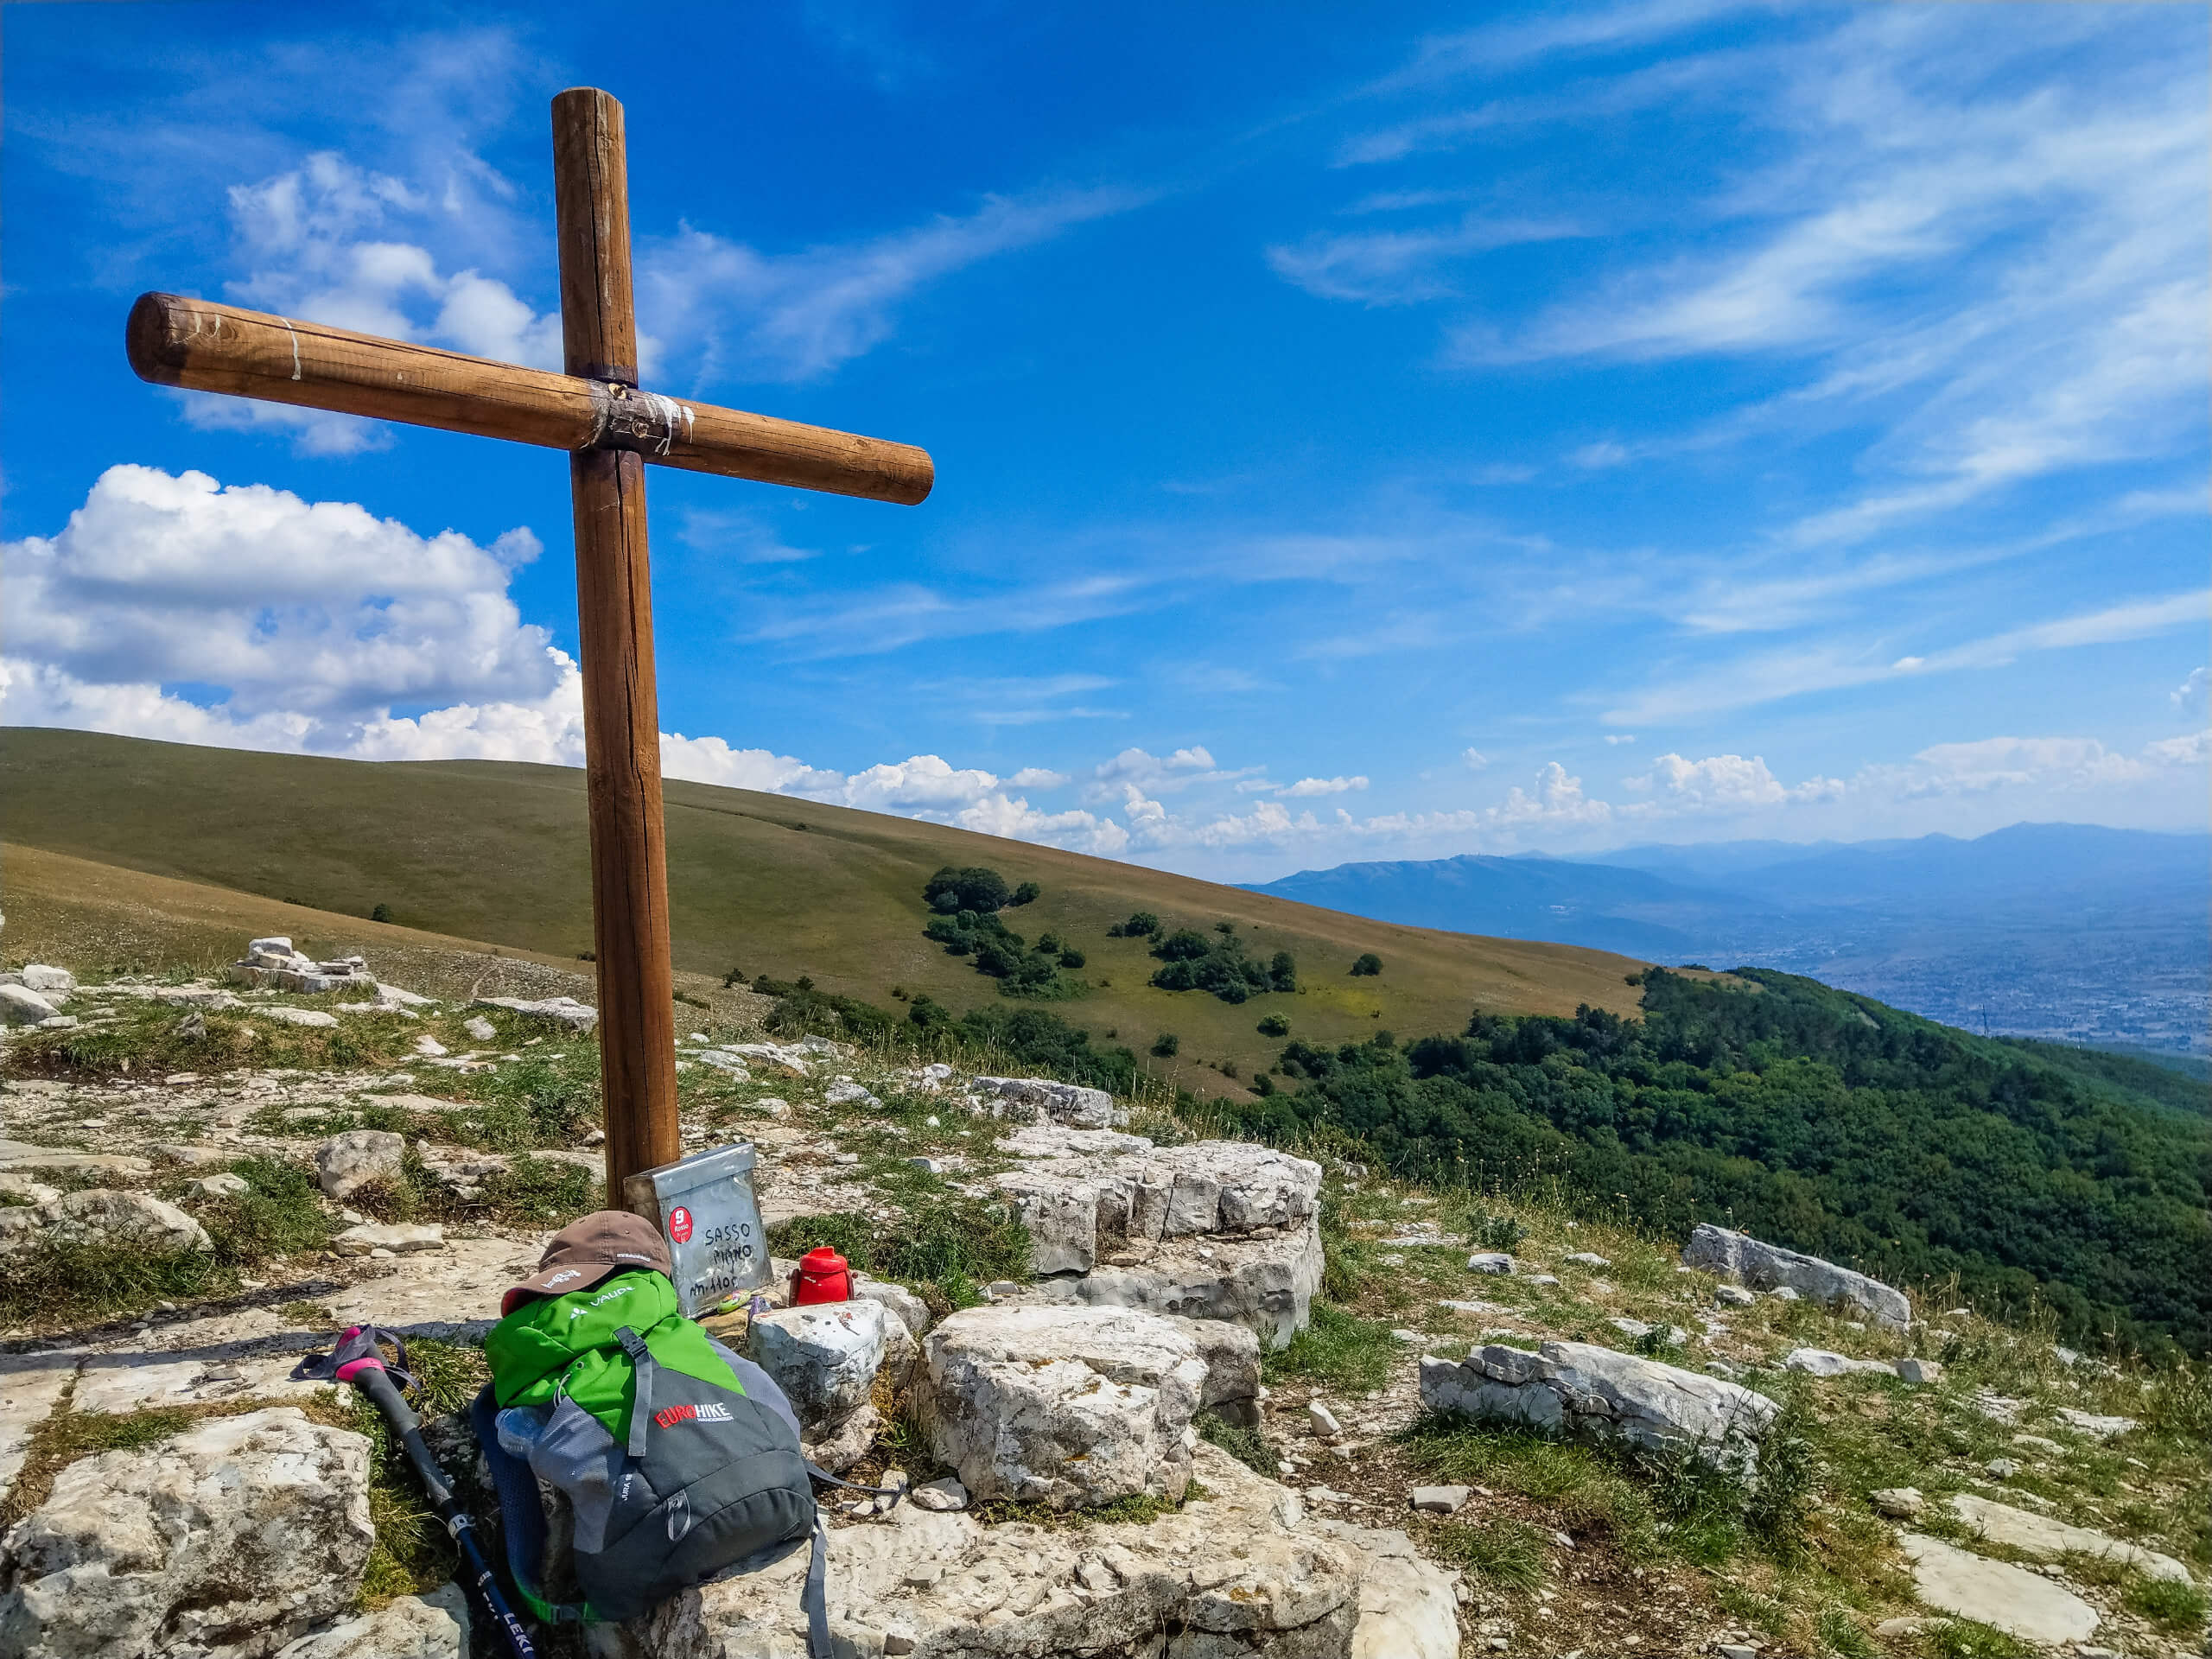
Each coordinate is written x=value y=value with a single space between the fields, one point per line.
x=1726 y=783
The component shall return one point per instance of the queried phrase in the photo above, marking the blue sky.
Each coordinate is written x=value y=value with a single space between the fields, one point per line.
x=1360 y=434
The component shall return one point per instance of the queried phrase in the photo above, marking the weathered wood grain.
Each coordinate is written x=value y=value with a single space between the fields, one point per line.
x=206 y=345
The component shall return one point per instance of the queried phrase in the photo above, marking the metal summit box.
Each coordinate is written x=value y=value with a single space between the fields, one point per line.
x=704 y=1207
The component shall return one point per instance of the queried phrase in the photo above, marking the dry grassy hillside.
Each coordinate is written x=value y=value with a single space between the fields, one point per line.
x=496 y=853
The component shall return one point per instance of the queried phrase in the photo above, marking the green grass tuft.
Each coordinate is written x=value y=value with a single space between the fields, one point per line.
x=1508 y=1552
x=1967 y=1639
x=1338 y=1350
x=2176 y=1608
x=1248 y=1446
x=951 y=1245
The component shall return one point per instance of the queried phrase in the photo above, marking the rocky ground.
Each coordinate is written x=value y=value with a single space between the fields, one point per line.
x=199 y=1181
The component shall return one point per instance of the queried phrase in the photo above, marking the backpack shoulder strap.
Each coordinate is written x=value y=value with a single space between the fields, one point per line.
x=641 y=1408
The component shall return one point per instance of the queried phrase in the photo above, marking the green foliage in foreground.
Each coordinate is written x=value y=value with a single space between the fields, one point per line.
x=1822 y=1120
x=951 y=1245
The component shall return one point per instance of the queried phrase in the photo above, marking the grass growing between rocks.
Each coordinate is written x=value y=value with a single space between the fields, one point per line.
x=2175 y=1608
x=1967 y=1639
x=1340 y=1349
x=1508 y=1552
x=1135 y=1511
x=67 y=1435
x=412 y=1553
x=945 y=1249
x=59 y=1282
x=1248 y=1446
x=537 y=1193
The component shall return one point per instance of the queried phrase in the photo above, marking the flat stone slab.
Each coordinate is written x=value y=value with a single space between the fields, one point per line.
x=29 y=1386
x=127 y=1382
x=1580 y=1389
x=1747 y=1260
x=1820 y=1362
x=1407 y=1610
x=2020 y=1603
x=2046 y=1540
x=1235 y=1573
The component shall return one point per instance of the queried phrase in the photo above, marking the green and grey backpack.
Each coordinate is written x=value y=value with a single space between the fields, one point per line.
x=680 y=1459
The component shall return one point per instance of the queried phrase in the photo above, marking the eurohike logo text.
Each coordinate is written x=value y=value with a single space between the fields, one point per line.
x=669 y=1416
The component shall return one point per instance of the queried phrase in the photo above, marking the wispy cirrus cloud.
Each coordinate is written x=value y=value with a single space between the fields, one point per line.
x=1770 y=675
x=733 y=312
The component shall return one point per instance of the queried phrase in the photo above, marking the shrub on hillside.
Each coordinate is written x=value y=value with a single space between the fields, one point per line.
x=975 y=888
x=1367 y=965
x=1166 y=1044
x=1192 y=962
x=1143 y=924
x=1274 y=1026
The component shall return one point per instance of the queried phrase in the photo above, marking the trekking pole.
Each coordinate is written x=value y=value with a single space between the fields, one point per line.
x=357 y=1359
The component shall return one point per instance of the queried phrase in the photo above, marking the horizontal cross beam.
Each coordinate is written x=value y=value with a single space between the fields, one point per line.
x=204 y=347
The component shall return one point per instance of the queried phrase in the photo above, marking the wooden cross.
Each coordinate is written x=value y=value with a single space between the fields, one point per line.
x=611 y=428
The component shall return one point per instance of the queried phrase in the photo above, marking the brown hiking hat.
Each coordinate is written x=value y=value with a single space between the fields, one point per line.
x=584 y=1252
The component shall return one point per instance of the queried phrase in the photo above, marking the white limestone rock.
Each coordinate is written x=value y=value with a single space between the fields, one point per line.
x=2096 y=1427
x=346 y=1163
x=1492 y=1261
x=433 y=1626
x=22 y=1006
x=401 y=1238
x=2042 y=1539
x=1919 y=1372
x=227 y=1541
x=1231 y=1354
x=1899 y=1502
x=2020 y=1603
x=561 y=1010
x=104 y=1216
x=824 y=1355
x=910 y=1309
x=1407 y=1610
x=1028 y=1099
x=284 y=1016
x=52 y=984
x=1820 y=1362
x=1744 y=1259
x=1589 y=1392
x=1072 y=1407
x=846 y=1092
x=1231 y=1576
x=1217 y=1230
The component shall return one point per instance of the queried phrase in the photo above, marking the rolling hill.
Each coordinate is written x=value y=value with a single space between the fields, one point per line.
x=496 y=853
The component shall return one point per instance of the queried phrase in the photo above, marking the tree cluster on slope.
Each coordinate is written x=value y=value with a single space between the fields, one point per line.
x=1192 y=962
x=967 y=902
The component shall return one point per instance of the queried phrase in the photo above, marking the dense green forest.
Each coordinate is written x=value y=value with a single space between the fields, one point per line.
x=1822 y=1120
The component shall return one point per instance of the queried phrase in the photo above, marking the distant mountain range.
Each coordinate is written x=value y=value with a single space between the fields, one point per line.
x=2070 y=932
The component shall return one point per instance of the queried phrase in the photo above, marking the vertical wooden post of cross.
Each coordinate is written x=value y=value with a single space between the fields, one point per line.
x=614 y=626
